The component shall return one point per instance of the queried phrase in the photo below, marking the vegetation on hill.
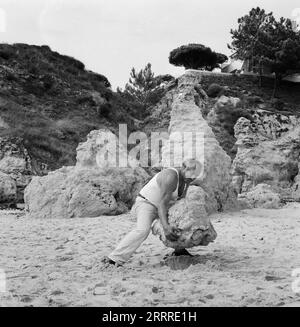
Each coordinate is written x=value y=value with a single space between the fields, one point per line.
x=265 y=41
x=144 y=90
x=52 y=102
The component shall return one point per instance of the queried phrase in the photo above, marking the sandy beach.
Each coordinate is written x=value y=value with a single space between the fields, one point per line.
x=58 y=263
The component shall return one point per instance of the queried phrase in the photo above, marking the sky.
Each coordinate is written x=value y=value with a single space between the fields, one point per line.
x=112 y=36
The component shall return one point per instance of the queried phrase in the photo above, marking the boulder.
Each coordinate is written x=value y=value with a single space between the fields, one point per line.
x=95 y=186
x=273 y=126
x=190 y=216
x=14 y=158
x=72 y=192
x=224 y=101
x=16 y=163
x=266 y=156
x=8 y=189
x=261 y=196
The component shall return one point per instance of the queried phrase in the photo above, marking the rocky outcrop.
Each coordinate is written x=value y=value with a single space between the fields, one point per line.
x=268 y=153
x=261 y=196
x=94 y=187
x=71 y=192
x=222 y=118
x=8 y=189
x=187 y=120
x=273 y=126
x=212 y=191
x=16 y=170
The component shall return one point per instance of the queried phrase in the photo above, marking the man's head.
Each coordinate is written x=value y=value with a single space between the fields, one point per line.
x=191 y=169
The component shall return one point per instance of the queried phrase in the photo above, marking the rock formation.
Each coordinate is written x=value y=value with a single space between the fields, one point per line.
x=16 y=170
x=8 y=189
x=260 y=196
x=268 y=153
x=71 y=192
x=212 y=191
x=186 y=117
x=92 y=188
x=222 y=118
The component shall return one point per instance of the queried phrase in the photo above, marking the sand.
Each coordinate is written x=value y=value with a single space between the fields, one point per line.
x=58 y=263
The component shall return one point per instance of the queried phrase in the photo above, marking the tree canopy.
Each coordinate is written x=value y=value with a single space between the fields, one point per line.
x=196 y=56
x=265 y=41
x=144 y=89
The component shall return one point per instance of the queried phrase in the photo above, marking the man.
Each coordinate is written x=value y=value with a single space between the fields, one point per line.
x=153 y=202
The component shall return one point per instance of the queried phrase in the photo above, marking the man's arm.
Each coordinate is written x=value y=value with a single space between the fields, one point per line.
x=167 y=181
x=163 y=209
x=186 y=187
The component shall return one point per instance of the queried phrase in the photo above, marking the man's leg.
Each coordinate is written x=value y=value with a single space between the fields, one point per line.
x=145 y=214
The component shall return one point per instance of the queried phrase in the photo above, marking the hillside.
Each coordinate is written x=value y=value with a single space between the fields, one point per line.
x=52 y=102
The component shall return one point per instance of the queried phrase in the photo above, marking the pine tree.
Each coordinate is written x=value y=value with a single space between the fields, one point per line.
x=265 y=41
x=196 y=56
x=143 y=87
x=246 y=39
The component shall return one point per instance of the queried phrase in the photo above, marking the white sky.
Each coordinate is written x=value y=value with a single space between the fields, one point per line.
x=112 y=36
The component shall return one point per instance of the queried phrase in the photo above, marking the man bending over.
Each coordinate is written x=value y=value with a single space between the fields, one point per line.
x=153 y=202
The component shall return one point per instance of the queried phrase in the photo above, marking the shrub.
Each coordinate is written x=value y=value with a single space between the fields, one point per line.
x=105 y=109
x=73 y=62
x=6 y=52
x=278 y=104
x=229 y=115
x=215 y=90
x=253 y=100
x=48 y=81
x=72 y=70
x=10 y=76
x=100 y=78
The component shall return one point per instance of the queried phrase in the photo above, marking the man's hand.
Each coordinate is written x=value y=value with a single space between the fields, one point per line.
x=172 y=233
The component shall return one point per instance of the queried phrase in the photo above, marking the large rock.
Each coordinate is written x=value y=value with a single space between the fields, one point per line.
x=8 y=189
x=267 y=154
x=217 y=164
x=261 y=196
x=212 y=190
x=94 y=187
x=190 y=216
x=16 y=163
x=274 y=126
x=71 y=192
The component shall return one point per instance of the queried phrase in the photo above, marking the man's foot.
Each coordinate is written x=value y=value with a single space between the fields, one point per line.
x=177 y=253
